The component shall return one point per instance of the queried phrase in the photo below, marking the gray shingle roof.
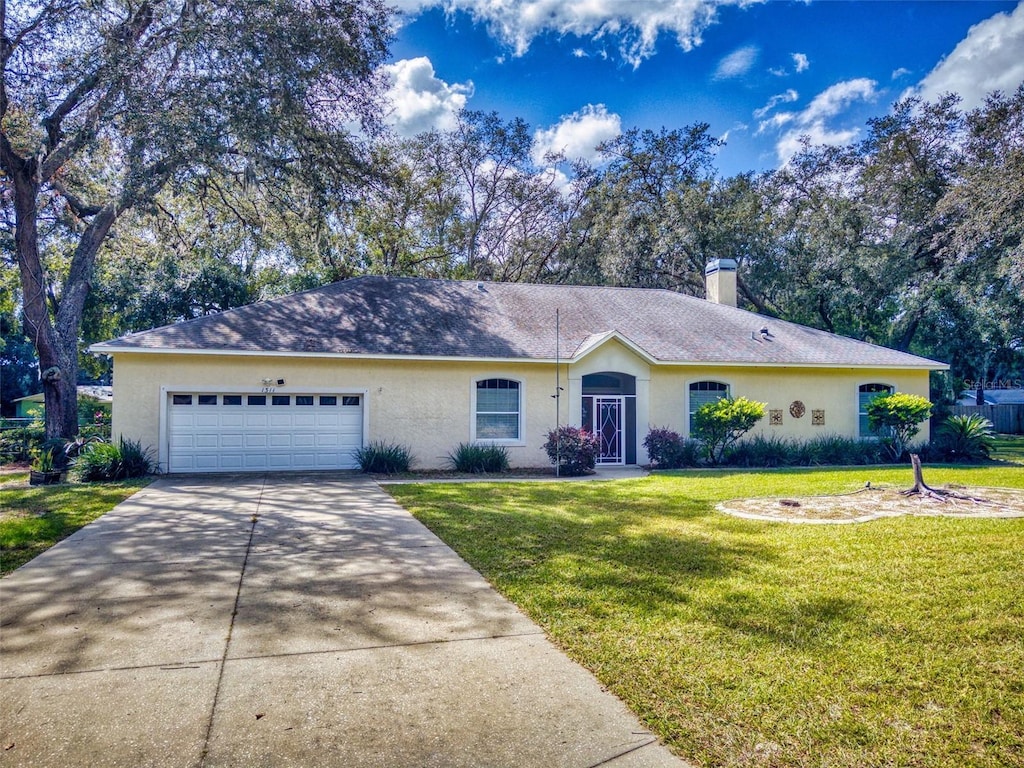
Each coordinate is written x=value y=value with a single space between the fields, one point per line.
x=379 y=316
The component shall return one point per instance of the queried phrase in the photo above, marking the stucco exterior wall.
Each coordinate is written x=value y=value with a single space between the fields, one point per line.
x=833 y=390
x=428 y=405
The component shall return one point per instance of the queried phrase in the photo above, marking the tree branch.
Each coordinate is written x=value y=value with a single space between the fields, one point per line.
x=78 y=207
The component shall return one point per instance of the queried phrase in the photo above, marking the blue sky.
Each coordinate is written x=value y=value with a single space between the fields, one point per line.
x=760 y=73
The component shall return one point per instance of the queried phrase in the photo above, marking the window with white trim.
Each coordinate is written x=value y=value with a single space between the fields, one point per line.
x=498 y=409
x=704 y=392
x=865 y=394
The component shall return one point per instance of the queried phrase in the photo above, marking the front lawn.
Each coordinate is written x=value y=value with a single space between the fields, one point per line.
x=1009 y=448
x=34 y=518
x=898 y=642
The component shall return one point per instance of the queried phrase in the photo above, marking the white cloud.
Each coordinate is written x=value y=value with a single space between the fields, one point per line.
x=813 y=121
x=790 y=143
x=577 y=135
x=800 y=61
x=898 y=73
x=635 y=24
x=779 y=98
x=420 y=101
x=838 y=97
x=737 y=63
x=990 y=58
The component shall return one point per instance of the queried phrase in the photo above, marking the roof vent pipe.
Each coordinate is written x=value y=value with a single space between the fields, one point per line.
x=720 y=281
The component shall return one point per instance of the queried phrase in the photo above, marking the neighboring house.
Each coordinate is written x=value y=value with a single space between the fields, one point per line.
x=301 y=381
x=993 y=397
x=33 y=405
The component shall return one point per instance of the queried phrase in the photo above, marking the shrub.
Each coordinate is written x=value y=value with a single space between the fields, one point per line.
x=384 y=458
x=136 y=461
x=965 y=438
x=760 y=451
x=898 y=418
x=97 y=462
x=825 y=450
x=42 y=460
x=468 y=457
x=669 y=450
x=836 y=450
x=17 y=443
x=101 y=461
x=721 y=423
x=573 y=450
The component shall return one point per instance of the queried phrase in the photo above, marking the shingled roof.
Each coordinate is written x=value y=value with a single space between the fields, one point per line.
x=390 y=316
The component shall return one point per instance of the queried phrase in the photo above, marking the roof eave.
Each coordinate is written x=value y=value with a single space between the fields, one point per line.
x=105 y=349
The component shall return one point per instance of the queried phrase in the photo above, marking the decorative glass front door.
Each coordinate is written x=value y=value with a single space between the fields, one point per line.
x=603 y=416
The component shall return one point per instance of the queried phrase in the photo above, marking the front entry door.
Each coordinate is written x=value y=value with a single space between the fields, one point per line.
x=605 y=420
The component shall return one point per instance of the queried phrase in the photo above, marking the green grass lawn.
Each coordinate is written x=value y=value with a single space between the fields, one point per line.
x=898 y=642
x=34 y=518
x=1009 y=448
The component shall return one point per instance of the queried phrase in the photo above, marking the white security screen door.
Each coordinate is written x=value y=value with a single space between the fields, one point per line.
x=605 y=416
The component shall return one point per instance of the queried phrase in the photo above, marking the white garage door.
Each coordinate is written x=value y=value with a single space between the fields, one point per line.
x=252 y=433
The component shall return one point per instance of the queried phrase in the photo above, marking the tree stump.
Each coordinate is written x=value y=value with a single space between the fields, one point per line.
x=925 y=491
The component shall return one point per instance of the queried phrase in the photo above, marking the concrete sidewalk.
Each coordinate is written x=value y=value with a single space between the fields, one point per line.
x=285 y=621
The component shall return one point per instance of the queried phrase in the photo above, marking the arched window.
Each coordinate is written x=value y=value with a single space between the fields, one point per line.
x=704 y=392
x=865 y=394
x=498 y=409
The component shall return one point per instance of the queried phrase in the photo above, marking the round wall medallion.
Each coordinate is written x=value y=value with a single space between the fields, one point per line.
x=796 y=409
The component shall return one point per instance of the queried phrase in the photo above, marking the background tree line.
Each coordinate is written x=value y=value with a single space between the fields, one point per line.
x=160 y=188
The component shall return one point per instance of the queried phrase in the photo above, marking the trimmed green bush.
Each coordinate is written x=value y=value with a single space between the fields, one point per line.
x=384 y=458
x=898 y=417
x=721 y=423
x=468 y=457
x=669 y=450
x=965 y=438
x=573 y=450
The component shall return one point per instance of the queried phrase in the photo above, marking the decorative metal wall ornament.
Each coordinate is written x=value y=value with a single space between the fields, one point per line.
x=818 y=418
x=796 y=409
x=775 y=417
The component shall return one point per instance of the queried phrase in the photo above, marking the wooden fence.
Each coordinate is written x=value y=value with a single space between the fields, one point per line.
x=1007 y=418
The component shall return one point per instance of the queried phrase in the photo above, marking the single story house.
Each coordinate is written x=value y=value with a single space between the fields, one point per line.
x=300 y=382
x=34 y=405
x=1009 y=396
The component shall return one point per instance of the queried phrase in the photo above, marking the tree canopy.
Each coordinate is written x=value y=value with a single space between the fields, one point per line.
x=105 y=104
x=167 y=160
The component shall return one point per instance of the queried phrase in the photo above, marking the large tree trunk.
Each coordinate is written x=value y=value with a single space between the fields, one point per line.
x=56 y=343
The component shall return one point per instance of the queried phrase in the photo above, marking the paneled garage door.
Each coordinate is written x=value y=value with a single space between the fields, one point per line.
x=252 y=433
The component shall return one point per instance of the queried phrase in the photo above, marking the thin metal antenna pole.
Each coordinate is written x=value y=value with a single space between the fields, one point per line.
x=558 y=395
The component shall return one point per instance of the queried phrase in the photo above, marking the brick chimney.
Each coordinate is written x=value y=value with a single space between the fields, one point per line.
x=720 y=281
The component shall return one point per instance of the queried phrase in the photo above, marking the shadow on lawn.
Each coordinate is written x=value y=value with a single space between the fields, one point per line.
x=603 y=549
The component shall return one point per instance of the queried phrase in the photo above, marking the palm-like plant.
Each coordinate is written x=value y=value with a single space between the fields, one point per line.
x=966 y=438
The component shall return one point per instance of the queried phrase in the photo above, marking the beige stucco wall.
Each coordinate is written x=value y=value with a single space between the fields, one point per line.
x=424 y=405
x=428 y=404
x=833 y=390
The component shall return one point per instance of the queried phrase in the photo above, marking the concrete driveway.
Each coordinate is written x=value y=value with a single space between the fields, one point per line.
x=285 y=621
